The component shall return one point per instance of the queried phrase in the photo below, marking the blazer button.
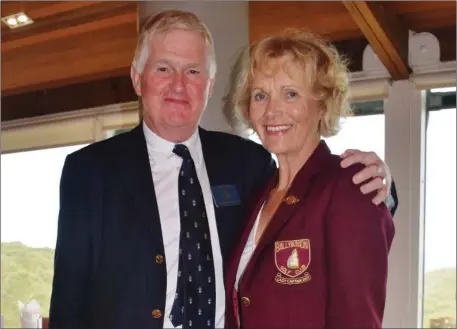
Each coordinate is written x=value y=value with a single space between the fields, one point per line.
x=159 y=259
x=156 y=314
x=246 y=301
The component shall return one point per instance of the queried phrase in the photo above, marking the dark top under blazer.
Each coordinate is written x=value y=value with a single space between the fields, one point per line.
x=343 y=281
x=109 y=233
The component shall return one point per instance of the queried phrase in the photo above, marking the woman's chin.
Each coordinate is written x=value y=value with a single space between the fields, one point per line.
x=277 y=149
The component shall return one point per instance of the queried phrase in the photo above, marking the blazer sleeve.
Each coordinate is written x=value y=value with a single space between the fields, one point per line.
x=68 y=306
x=358 y=235
x=392 y=199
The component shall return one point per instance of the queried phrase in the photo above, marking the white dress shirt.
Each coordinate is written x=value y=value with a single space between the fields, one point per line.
x=165 y=166
x=248 y=250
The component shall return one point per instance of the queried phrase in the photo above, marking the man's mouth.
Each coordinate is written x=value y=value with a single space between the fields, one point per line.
x=176 y=101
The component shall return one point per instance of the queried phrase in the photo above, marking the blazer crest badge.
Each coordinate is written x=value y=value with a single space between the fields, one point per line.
x=292 y=258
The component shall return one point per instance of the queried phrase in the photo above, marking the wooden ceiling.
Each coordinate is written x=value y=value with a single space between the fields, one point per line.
x=77 y=54
x=69 y=42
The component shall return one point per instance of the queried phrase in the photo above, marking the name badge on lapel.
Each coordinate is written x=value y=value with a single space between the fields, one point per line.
x=225 y=195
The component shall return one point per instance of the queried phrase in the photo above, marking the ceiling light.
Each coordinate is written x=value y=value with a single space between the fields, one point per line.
x=11 y=21
x=17 y=20
x=22 y=18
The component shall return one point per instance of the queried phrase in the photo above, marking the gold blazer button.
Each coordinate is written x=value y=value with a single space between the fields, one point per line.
x=246 y=301
x=159 y=259
x=156 y=314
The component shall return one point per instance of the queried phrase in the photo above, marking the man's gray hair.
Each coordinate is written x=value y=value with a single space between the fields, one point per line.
x=165 y=21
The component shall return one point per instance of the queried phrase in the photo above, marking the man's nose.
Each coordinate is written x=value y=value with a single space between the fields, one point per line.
x=177 y=83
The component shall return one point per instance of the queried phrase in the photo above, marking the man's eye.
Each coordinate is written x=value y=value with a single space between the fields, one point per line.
x=194 y=72
x=162 y=69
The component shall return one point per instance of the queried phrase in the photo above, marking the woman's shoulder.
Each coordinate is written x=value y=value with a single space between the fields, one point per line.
x=332 y=175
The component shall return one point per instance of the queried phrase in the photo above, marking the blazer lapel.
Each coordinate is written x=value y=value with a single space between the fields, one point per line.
x=235 y=256
x=136 y=172
x=216 y=174
x=210 y=155
x=295 y=197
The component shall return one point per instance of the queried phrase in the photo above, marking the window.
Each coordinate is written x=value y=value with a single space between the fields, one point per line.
x=30 y=204
x=30 y=183
x=114 y=132
x=363 y=131
x=439 y=307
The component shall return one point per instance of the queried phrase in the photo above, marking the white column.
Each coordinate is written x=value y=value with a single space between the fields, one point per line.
x=229 y=26
x=405 y=115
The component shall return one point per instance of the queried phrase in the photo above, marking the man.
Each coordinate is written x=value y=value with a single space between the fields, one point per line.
x=148 y=218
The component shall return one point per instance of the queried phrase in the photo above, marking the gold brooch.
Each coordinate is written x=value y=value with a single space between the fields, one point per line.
x=291 y=199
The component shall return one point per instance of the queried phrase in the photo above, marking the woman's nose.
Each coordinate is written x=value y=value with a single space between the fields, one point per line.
x=274 y=107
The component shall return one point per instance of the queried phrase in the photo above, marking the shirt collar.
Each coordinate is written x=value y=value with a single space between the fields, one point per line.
x=158 y=146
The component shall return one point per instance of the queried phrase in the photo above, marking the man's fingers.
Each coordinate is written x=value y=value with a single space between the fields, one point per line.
x=366 y=158
x=375 y=170
x=351 y=158
x=348 y=152
x=381 y=196
x=372 y=186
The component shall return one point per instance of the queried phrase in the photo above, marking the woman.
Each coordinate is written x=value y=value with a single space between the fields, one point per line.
x=314 y=251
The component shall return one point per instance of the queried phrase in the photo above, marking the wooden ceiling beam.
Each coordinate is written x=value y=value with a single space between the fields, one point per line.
x=385 y=33
x=70 y=31
x=49 y=9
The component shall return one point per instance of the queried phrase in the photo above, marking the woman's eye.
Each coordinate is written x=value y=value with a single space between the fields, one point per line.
x=291 y=94
x=259 y=97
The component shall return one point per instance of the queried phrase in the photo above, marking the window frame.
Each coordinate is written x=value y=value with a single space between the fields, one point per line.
x=69 y=128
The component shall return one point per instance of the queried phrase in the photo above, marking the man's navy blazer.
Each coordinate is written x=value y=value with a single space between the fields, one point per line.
x=110 y=266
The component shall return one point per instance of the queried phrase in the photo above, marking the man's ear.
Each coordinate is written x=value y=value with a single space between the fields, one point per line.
x=211 y=85
x=136 y=80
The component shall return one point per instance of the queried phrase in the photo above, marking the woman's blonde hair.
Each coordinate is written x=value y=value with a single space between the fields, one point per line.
x=324 y=69
x=164 y=21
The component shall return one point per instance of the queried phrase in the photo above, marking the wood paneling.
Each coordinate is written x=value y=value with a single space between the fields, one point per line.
x=447 y=37
x=79 y=58
x=42 y=9
x=77 y=44
x=385 y=33
x=353 y=50
x=70 y=31
x=423 y=15
x=107 y=91
x=41 y=12
x=328 y=18
x=89 y=13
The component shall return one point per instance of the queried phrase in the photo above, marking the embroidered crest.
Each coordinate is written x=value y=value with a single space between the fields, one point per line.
x=292 y=258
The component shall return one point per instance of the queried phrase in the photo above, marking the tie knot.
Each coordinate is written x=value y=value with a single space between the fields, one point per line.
x=182 y=151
